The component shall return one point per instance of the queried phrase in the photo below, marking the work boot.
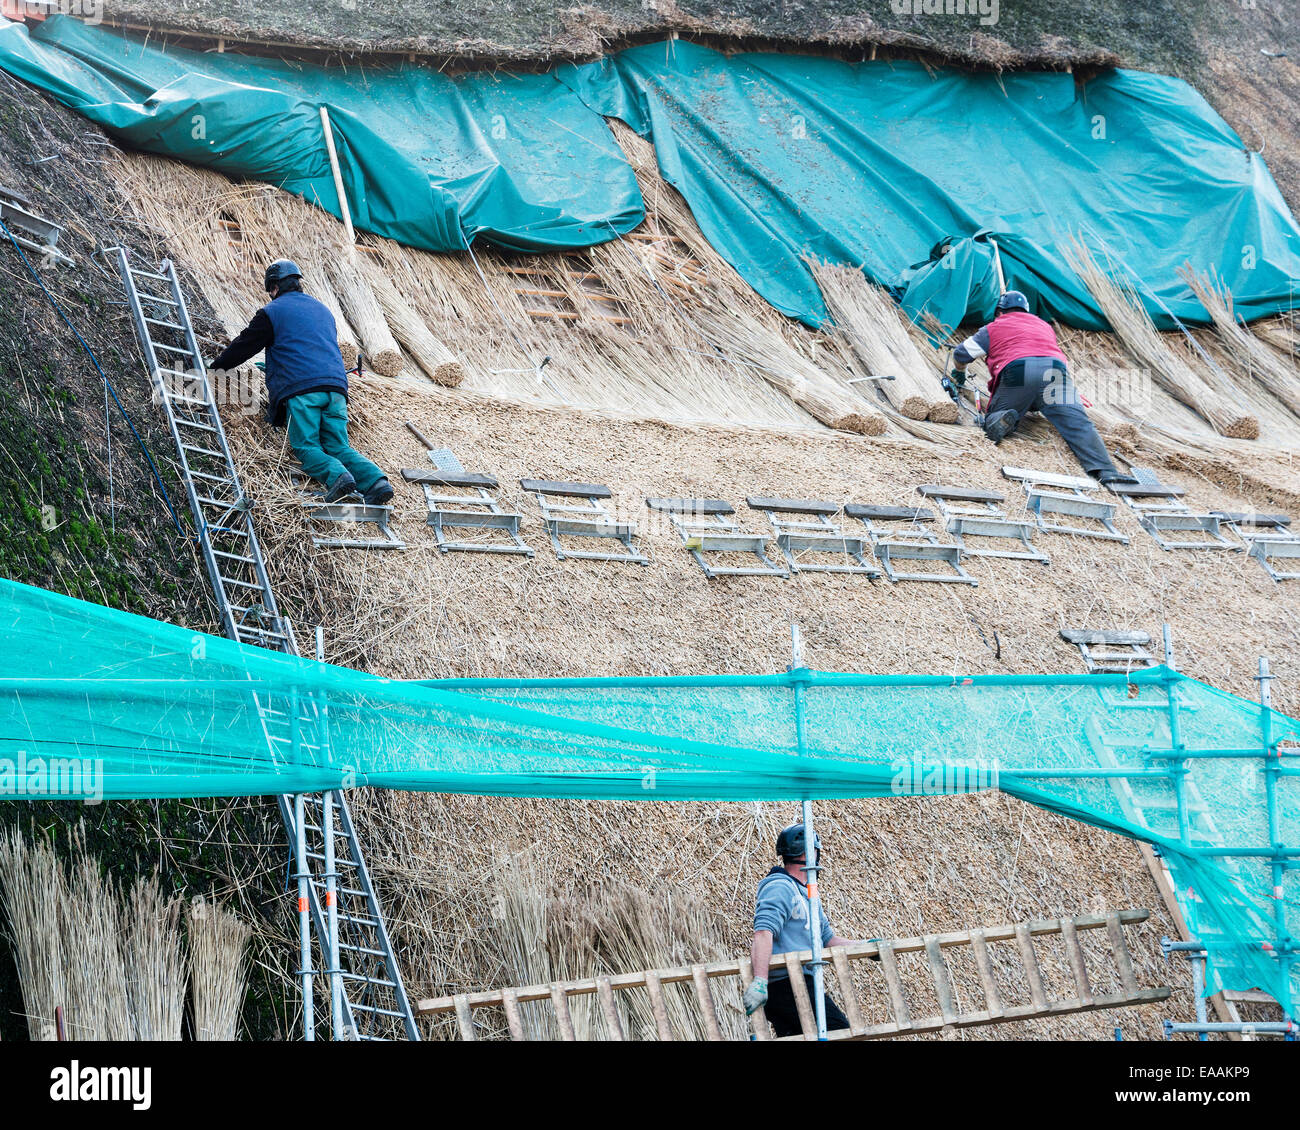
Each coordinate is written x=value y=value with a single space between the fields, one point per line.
x=343 y=486
x=381 y=494
x=1108 y=478
x=1001 y=424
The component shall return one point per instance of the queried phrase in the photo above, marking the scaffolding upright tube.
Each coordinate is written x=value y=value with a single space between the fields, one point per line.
x=812 y=858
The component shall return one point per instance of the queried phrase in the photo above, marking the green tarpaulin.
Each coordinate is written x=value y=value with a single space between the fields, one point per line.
x=428 y=160
x=95 y=702
x=874 y=164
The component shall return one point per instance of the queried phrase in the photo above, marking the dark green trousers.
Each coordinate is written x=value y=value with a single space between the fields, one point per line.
x=318 y=434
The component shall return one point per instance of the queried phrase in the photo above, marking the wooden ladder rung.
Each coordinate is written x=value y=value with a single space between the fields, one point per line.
x=541 y=293
x=514 y=1021
x=463 y=1017
x=758 y=1021
x=605 y=991
x=707 y=1007
x=654 y=987
x=802 y=1001
x=980 y=950
x=889 y=967
x=844 y=975
x=1025 y=944
x=1115 y=931
x=1079 y=967
x=560 y=999
x=942 y=982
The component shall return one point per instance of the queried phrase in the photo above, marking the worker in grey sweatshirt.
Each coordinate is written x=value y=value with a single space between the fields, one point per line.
x=781 y=925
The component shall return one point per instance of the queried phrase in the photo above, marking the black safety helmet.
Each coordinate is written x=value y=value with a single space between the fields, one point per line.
x=280 y=271
x=790 y=843
x=1013 y=300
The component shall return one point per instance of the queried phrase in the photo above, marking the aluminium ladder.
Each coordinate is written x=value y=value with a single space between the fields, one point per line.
x=368 y=998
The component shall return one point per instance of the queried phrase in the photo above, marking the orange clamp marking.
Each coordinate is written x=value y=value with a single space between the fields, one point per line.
x=302 y=906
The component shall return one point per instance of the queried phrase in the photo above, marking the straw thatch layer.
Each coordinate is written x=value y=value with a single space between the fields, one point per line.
x=1134 y=327
x=878 y=333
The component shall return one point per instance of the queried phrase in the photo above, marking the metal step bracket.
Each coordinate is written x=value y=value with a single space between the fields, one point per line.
x=906 y=533
x=805 y=526
x=1109 y=652
x=30 y=231
x=706 y=526
x=1161 y=511
x=1072 y=496
x=475 y=507
x=583 y=517
x=970 y=512
x=1268 y=538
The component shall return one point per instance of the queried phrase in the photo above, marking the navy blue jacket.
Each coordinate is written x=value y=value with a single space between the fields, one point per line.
x=302 y=350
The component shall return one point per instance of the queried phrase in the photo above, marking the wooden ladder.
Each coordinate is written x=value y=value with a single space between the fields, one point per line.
x=480 y=1014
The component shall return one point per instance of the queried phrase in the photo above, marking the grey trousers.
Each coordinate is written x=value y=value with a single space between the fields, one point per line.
x=1043 y=384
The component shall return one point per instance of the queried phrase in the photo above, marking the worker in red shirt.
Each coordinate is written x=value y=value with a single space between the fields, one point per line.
x=1028 y=373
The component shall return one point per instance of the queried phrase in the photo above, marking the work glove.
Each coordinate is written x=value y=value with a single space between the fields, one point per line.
x=755 y=996
x=958 y=377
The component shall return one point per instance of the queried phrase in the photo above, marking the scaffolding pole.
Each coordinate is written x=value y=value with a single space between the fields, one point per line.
x=811 y=856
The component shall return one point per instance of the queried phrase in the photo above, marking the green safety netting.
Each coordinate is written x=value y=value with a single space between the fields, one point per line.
x=877 y=164
x=130 y=707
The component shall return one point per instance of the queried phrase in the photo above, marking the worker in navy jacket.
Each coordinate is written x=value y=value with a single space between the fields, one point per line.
x=307 y=385
x=1027 y=373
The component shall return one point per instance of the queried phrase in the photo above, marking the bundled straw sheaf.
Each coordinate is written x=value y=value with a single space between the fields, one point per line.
x=94 y=966
x=218 y=970
x=740 y=336
x=1258 y=362
x=424 y=349
x=1128 y=318
x=364 y=312
x=33 y=887
x=877 y=331
x=156 y=965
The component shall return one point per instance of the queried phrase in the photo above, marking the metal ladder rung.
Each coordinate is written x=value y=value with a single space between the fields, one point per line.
x=165 y=325
x=360 y=949
x=234 y=557
x=154 y=298
x=375 y=1009
x=203 y=451
x=183 y=350
x=243 y=584
x=140 y=273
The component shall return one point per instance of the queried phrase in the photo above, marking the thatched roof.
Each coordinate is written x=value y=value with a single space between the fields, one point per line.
x=1007 y=34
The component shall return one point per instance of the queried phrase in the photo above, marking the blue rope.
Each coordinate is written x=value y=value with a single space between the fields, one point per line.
x=107 y=383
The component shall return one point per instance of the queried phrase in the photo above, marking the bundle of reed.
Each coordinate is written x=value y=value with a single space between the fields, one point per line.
x=363 y=311
x=218 y=974
x=438 y=362
x=156 y=964
x=876 y=329
x=1259 y=362
x=317 y=285
x=94 y=969
x=1133 y=326
x=33 y=886
x=740 y=338
x=1282 y=333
